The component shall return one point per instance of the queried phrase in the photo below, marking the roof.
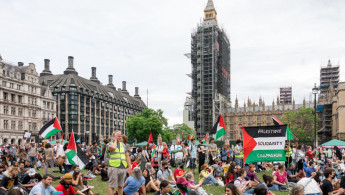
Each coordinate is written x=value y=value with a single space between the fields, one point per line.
x=209 y=6
x=88 y=87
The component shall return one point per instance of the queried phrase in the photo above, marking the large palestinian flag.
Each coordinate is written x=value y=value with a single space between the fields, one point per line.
x=51 y=128
x=219 y=128
x=264 y=143
x=74 y=154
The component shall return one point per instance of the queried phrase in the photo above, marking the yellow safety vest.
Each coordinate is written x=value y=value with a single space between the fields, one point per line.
x=238 y=155
x=118 y=156
x=289 y=153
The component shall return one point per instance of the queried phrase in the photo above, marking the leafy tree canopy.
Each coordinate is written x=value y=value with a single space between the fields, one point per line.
x=301 y=123
x=139 y=126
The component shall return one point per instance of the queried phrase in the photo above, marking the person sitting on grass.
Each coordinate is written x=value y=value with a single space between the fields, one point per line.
x=251 y=174
x=151 y=170
x=30 y=180
x=260 y=191
x=182 y=186
x=297 y=189
x=165 y=173
x=44 y=187
x=280 y=179
x=164 y=188
x=327 y=185
x=179 y=171
x=231 y=189
x=77 y=183
x=134 y=182
x=231 y=174
x=312 y=184
x=65 y=186
x=241 y=183
x=149 y=182
x=10 y=180
x=193 y=186
x=207 y=176
x=268 y=182
x=104 y=172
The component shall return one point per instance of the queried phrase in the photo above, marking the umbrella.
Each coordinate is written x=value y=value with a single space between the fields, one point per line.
x=144 y=143
x=332 y=143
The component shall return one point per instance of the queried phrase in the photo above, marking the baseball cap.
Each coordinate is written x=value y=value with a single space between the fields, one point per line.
x=32 y=172
x=182 y=181
x=180 y=163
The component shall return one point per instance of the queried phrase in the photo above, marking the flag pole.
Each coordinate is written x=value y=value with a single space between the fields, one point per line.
x=289 y=144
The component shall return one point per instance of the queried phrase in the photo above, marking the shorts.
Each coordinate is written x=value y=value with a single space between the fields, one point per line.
x=116 y=176
x=192 y=163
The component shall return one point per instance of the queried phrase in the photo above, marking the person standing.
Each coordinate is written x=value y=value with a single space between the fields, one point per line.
x=179 y=153
x=212 y=148
x=224 y=152
x=94 y=153
x=288 y=154
x=160 y=155
x=238 y=150
x=49 y=158
x=119 y=161
x=192 y=154
x=33 y=154
x=144 y=158
x=59 y=153
x=201 y=154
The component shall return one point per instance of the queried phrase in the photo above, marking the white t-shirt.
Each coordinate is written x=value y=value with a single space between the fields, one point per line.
x=310 y=185
x=178 y=155
x=59 y=151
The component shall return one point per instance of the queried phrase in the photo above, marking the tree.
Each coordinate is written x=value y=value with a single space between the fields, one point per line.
x=182 y=129
x=301 y=123
x=167 y=136
x=139 y=126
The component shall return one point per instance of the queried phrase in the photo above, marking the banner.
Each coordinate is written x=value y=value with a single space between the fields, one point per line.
x=264 y=143
x=27 y=134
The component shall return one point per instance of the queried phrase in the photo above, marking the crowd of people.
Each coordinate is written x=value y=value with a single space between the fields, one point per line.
x=169 y=169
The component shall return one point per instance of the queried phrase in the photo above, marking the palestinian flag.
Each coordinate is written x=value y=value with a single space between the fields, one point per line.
x=51 y=128
x=219 y=127
x=276 y=121
x=205 y=138
x=264 y=143
x=153 y=149
x=150 y=138
x=74 y=154
x=289 y=135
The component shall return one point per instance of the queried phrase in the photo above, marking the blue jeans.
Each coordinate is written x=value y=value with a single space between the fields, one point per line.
x=32 y=160
x=276 y=187
x=239 y=161
x=249 y=191
x=210 y=180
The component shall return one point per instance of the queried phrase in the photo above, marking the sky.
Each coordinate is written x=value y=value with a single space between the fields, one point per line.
x=274 y=43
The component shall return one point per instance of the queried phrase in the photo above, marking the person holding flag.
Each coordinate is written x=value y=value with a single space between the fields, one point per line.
x=238 y=150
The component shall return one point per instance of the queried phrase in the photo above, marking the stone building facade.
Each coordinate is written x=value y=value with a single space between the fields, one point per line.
x=92 y=110
x=24 y=103
x=253 y=114
x=335 y=98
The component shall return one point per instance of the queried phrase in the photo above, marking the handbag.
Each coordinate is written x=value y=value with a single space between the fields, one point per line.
x=60 y=161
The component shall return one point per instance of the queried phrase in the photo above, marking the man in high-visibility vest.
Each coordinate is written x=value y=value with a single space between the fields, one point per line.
x=238 y=150
x=119 y=161
x=288 y=154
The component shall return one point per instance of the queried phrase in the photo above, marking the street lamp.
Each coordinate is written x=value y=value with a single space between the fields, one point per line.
x=315 y=90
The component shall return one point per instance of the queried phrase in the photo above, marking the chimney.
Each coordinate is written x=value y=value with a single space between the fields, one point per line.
x=70 y=69
x=110 y=82
x=70 y=61
x=46 y=64
x=124 y=86
x=124 y=90
x=136 y=95
x=93 y=75
x=20 y=64
x=46 y=71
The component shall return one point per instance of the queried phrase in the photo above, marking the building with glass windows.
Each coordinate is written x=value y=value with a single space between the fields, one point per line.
x=24 y=103
x=92 y=110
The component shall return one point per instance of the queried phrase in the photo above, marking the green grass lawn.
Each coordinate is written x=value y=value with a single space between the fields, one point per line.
x=101 y=187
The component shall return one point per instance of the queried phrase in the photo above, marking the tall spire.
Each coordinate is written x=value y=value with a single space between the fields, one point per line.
x=210 y=11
